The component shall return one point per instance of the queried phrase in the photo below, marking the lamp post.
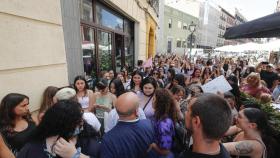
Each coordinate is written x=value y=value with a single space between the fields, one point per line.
x=192 y=27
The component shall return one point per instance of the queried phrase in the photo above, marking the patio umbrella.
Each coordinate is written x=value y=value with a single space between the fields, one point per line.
x=268 y=26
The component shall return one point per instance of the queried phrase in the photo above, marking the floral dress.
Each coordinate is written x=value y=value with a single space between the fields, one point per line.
x=164 y=133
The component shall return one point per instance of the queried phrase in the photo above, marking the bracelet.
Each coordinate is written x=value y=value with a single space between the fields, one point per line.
x=78 y=153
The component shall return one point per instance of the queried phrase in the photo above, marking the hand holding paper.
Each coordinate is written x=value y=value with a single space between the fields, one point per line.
x=218 y=84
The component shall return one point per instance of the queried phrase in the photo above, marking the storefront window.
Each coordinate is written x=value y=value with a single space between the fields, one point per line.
x=107 y=38
x=88 y=51
x=105 y=50
x=86 y=10
x=128 y=27
x=129 y=50
x=108 y=19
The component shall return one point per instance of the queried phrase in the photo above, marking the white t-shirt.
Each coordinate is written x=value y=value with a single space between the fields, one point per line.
x=91 y=119
x=112 y=118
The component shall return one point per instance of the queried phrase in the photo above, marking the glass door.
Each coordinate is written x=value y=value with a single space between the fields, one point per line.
x=104 y=50
x=88 y=50
x=119 y=51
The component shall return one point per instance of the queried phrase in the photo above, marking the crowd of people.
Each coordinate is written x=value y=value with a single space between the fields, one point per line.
x=158 y=110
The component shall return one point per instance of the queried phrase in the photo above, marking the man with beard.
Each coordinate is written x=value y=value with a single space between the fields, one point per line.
x=208 y=117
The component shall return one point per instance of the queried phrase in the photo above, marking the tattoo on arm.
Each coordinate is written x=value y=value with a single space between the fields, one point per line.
x=244 y=148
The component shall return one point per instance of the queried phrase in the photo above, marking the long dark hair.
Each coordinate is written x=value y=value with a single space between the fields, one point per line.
x=165 y=105
x=181 y=79
x=47 y=99
x=268 y=134
x=81 y=78
x=118 y=86
x=195 y=69
x=137 y=72
x=148 y=80
x=61 y=119
x=7 y=114
x=172 y=73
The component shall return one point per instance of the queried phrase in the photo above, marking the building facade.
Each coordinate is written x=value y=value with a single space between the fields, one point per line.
x=227 y=20
x=176 y=32
x=48 y=45
x=113 y=34
x=278 y=6
x=32 y=48
x=208 y=26
x=174 y=27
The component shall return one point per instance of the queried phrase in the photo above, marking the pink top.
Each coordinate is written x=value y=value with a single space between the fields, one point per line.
x=254 y=91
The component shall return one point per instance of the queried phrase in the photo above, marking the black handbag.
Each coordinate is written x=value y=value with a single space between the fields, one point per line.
x=180 y=139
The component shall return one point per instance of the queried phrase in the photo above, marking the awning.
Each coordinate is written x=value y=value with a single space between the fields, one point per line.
x=268 y=26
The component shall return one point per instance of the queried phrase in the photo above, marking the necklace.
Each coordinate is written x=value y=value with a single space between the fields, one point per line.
x=214 y=152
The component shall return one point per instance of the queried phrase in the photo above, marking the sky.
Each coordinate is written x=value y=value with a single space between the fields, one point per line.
x=250 y=9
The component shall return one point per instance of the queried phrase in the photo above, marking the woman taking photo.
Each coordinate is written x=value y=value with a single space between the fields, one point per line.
x=84 y=96
x=164 y=119
x=59 y=134
x=16 y=124
x=255 y=139
x=105 y=101
x=148 y=87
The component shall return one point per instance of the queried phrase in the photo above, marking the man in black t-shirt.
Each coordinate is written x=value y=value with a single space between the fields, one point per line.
x=208 y=117
x=269 y=76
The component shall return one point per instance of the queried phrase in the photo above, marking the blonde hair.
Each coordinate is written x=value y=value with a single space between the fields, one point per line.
x=253 y=79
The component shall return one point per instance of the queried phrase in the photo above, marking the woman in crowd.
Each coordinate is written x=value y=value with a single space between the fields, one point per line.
x=169 y=78
x=16 y=124
x=58 y=134
x=179 y=79
x=135 y=82
x=255 y=140
x=206 y=75
x=194 y=90
x=253 y=86
x=105 y=100
x=116 y=87
x=234 y=70
x=47 y=100
x=230 y=98
x=248 y=70
x=84 y=95
x=162 y=74
x=226 y=66
x=126 y=76
x=148 y=87
x=216 y=71
x=156 y=75
x=164 y=119
x=120 y=76
x=188 y=68
x=233 y=81
x=178 y=93
x=195 y=77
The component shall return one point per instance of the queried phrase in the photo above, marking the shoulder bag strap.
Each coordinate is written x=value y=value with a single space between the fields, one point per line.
x=147 y=103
